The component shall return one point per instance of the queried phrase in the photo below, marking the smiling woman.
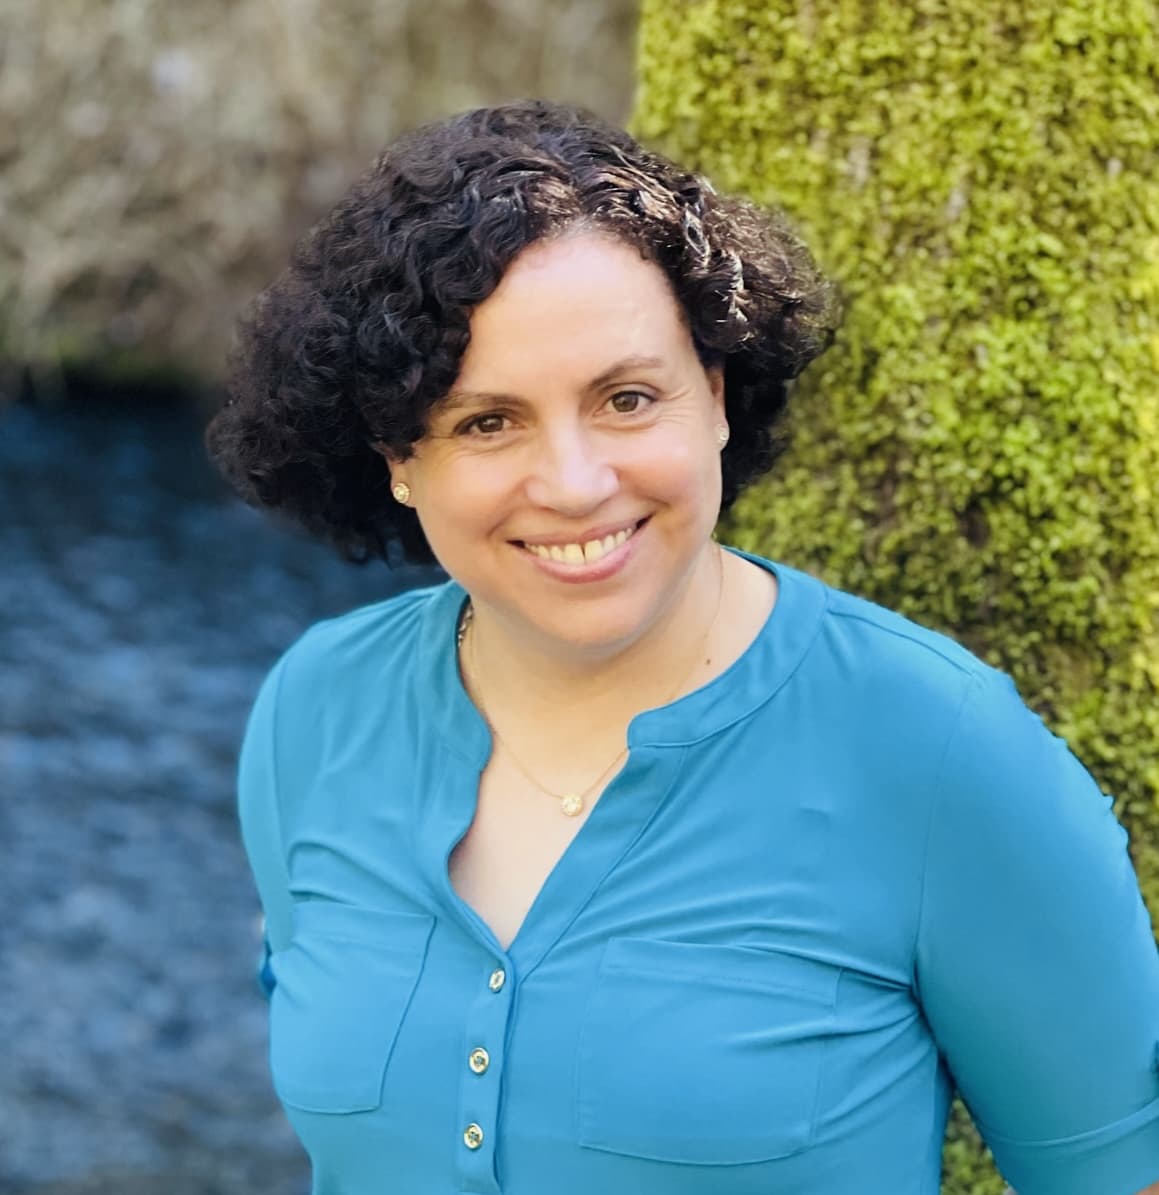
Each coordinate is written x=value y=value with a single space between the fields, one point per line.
x=623 y=861
x=576 y=446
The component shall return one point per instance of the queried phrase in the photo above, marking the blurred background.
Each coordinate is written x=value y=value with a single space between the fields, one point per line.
x=157 y=160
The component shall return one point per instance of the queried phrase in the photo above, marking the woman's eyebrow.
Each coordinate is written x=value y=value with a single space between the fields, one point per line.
x=624 y=365
x=462 y=398
x=454 y=399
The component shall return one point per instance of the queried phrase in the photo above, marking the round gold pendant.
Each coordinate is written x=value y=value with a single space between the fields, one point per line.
x=572 y=805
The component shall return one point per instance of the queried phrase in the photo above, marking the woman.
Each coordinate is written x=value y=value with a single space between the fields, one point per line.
x=622 y=862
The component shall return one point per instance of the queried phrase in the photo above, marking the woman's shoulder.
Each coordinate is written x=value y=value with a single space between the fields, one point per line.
x=369 y=641
x=887 y=634
x=896 y=680
x=867 y=642
x=914 y=685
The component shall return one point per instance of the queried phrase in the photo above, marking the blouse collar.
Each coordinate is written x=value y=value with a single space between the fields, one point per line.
x=751 y=680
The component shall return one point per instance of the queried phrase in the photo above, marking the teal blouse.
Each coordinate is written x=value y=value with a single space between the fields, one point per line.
x=848 y=874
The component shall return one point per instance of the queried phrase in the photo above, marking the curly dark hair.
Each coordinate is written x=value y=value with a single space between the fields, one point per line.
x=365 y=330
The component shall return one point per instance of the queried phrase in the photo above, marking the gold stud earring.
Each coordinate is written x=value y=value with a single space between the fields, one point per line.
x=722 y=434
x=401 y=492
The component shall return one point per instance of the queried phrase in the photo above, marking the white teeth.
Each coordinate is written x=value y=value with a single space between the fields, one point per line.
x=594 y=549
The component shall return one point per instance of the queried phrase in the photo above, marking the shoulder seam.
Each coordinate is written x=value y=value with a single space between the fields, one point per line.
x=277 y=810
x=968 y=666
x=401 y=601
x=937 y=789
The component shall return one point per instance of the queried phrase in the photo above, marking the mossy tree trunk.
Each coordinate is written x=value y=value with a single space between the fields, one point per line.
x=980 y=449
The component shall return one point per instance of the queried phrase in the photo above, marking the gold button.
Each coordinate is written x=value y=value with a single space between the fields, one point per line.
x=497 y=980
x=479 y=1060
x=473 y=1136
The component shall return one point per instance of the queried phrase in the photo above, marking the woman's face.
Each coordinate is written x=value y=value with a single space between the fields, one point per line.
x=570 y=481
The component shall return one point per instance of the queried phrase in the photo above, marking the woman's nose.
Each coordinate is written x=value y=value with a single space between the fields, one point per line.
x=571 y=472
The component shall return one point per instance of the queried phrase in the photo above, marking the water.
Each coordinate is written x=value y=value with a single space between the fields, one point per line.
x=140 y=607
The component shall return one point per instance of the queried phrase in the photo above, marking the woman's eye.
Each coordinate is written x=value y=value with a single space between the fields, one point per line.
x=484 y=425
x=628 y=402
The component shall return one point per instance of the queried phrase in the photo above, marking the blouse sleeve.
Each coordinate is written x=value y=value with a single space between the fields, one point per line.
x=258 y=813
x=1036 y=964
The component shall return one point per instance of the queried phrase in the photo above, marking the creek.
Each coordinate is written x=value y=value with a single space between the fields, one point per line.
x=140 y=607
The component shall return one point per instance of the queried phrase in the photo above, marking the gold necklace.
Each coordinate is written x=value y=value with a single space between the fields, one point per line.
x=572 y=804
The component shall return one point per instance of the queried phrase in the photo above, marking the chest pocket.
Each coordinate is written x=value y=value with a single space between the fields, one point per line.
x=706 y=1055
x=343 y=986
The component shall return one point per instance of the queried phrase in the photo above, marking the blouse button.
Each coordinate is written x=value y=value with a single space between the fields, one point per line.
x=497 y=980
x=473 y=1136
x=479 y=1060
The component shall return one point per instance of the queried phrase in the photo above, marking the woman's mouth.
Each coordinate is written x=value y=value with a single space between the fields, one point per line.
x=590 y=559
x=587 y=552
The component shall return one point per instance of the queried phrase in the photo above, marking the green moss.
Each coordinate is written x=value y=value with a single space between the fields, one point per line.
x=980 y=449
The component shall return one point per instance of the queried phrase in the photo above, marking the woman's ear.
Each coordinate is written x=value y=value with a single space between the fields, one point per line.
x=395 y=467
x=397 y=470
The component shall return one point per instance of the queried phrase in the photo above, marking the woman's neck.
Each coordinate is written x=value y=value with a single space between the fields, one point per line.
x=569 y=689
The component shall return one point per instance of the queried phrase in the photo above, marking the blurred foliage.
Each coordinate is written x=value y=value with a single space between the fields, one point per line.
x=157 y=158
x=980 y=449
